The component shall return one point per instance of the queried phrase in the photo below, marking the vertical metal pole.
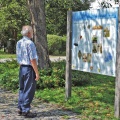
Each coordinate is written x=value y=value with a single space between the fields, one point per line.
x=68 y=83
x=117 y=81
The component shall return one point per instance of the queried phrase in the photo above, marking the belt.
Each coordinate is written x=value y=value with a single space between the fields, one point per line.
x=25 y=65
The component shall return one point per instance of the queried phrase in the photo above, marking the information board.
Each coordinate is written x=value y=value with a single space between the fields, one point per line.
x=94 y=40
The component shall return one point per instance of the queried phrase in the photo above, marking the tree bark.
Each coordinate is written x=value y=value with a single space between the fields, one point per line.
x=37 y=10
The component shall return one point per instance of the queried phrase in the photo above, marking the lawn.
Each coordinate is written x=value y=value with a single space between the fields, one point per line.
x=4 y=55
x=92 y=102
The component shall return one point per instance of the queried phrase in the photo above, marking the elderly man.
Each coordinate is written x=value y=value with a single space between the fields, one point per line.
x=28 y=74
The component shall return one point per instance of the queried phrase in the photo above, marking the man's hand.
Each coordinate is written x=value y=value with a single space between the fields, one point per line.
x=37 y=77
x=34 y=65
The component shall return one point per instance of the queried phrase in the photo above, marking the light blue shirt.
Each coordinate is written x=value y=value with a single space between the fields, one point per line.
x=26 y=51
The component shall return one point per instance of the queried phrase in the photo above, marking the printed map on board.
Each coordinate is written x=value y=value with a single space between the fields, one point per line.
x=94 y=40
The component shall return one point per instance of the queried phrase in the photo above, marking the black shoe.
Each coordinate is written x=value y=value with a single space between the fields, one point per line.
x=19 y=112
x=29 y=114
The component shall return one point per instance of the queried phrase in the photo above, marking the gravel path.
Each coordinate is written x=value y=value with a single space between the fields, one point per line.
x=45 y=111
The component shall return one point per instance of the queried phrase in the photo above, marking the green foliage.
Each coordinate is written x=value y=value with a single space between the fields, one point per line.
x=4 y=55
x=13 y=14
x=52 y=77
x=56 y=44
x=49 y=78
x=92 y=102
x=56 y=14
x=80 y=78
x=9 y=75
x=11 y=56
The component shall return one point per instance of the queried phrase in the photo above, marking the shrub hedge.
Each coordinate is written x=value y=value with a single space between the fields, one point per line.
x=9 y=75
x=56 y=44
x=51 y=78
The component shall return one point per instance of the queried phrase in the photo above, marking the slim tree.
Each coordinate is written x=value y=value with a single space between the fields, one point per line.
x=37 y=11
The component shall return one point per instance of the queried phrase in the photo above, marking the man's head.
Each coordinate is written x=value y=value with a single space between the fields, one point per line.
x=27 y=31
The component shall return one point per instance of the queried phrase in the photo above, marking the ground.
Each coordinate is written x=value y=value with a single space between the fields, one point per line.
x=45 y=111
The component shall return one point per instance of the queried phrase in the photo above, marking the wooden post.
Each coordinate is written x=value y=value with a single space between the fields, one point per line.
x=68 y=82
x=117 y=81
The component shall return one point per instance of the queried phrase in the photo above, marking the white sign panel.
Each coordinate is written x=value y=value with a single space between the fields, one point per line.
x=94 y=39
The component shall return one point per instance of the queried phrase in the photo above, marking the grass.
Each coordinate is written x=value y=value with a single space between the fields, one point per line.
x=92 y=102
x=4 y=55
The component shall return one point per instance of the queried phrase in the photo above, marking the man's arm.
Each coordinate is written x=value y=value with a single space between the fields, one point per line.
x=34 y=65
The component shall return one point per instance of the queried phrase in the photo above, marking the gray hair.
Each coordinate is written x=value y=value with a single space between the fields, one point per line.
x=25 y=30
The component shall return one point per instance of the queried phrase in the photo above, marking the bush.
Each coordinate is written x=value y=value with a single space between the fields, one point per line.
x=52 y=77
x=9 y=75
x=80 y=78
x=56 y=45
x=49 y=78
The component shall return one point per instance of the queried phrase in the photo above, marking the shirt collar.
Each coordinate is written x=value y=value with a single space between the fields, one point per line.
x=26 y=38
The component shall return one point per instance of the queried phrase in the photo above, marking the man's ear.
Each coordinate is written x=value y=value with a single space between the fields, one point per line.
x=29 y=33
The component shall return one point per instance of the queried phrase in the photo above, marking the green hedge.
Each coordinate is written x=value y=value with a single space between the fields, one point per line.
x=56 y=45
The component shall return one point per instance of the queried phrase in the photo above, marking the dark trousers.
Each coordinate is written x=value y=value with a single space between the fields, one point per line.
x=27 y=86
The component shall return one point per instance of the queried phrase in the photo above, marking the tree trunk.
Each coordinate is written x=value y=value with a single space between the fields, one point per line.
x=37 y=10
